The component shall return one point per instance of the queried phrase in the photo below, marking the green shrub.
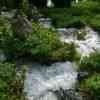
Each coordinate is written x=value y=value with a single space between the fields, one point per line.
x=11 y=85
x=44 y=43
x=91 y=63
x=66 y=52
x=8 y=42
x=95 y=22
x=41 y=44
x=92 y=85
x=5 y=25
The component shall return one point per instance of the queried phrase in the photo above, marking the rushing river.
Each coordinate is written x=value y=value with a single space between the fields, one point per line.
x=48 y=82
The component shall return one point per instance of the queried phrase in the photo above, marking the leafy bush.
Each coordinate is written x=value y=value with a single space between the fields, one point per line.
x=41 y=44
x=8 y=43
x=66 y=52
x=92 y=85
x=95 y=22
x=11 y=85
x=91 y=63
x=44 y=43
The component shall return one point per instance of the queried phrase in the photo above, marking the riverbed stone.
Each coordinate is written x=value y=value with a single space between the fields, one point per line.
x=21 y=26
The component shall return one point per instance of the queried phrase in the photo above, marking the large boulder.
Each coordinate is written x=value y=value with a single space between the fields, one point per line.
x=21 y=26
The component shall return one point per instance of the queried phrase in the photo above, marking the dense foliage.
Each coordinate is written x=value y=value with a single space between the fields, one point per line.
x=44 y=43
x=79 y=14
x=41 y=44
x=11 y=84
x=91 y=63
x=92 y=85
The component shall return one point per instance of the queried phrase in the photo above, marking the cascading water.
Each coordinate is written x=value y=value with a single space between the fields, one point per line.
x=49 y=82
x=42 y=80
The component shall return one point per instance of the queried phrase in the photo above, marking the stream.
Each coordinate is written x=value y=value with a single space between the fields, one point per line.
x=50 y=82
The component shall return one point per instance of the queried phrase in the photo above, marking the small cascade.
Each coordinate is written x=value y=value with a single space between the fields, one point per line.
x=91 y=43
x=41 y=80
